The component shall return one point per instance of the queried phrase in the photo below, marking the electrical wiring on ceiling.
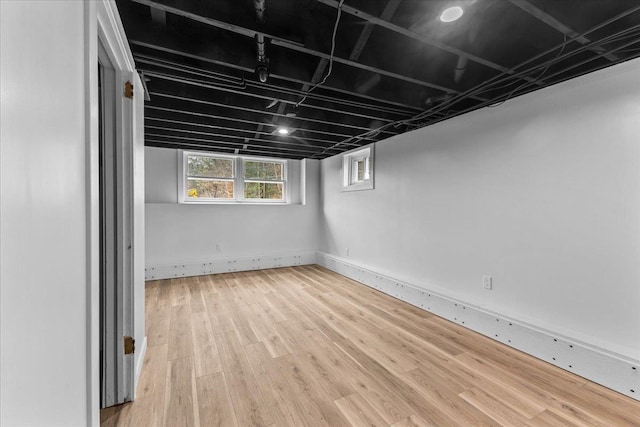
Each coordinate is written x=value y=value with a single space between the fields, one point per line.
x=333 y=48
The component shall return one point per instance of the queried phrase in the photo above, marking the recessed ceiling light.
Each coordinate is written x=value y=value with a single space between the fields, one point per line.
x=451 y=14
x=283 y=131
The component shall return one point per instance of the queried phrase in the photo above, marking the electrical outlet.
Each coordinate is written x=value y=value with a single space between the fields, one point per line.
x=487 y=283
x=219 y=247
x=347 y=251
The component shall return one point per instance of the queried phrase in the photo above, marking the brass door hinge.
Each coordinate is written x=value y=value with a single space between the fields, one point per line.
x=129 y=345
x=128 y=90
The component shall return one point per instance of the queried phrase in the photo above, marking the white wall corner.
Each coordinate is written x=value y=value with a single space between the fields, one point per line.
x=604 y=367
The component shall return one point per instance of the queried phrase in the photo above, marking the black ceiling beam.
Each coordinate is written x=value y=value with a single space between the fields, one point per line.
x=303 y=150
x=586 y=61
x=214 y=86
x=387 y=13
x=245 y=141
x=248 y=32
x=288 y=44
x=224 y=128
x=230 y=144
x=389 y=10
x=497 y=79
x=237 y=120
x=150 y=60
x=145 y=59
x=273 y=76
x=416 y=36
x=561 y=27
x=525 y=90
x=219 y=148
x=369 y=68
x=261 y=112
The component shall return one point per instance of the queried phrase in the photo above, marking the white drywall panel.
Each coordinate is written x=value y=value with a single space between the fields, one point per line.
x=191 y=233
x=43 y=206
x=542 y=193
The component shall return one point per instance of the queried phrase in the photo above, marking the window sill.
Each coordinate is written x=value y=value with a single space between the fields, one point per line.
x=358 y=187
x=234 y=203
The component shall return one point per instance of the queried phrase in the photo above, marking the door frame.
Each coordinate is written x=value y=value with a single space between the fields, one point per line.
x=116 y=225
x=103 y=25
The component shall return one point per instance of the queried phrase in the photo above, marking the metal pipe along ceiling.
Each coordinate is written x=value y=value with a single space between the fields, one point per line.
x=261 y=51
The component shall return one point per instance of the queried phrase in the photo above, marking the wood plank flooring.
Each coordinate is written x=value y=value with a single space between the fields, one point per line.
x=304 y=346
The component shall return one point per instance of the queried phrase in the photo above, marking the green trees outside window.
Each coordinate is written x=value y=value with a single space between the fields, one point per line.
x=215 y=178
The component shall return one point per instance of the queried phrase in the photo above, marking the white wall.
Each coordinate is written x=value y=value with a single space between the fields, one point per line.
x=43 y=205
x=542 y=193
x=49 y=312
x=185 y=233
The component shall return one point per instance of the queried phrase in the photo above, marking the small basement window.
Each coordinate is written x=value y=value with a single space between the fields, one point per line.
x=263 y=180
x=357 y=169
x=215 y=178
x=209 y=177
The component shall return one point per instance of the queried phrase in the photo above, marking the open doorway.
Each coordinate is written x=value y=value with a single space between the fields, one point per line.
x=115 y=231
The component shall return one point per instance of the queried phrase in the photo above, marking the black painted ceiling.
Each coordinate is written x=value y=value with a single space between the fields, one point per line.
x=396 y=66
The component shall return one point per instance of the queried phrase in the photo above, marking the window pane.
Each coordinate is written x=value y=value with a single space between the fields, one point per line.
x=263 y=190
x=197 y=188
x=214 y=167
x=360 y=170
x=263 y=170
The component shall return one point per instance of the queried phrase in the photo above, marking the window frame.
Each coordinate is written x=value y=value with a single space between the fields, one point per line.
x=349 y=171
x=238 y=179
x=243 y=160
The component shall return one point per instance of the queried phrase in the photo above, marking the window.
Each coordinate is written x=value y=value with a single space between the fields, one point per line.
x=357 y=169
x=263 y=180
x=211 y=178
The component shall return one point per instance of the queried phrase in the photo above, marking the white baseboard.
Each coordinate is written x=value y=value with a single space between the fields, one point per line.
x=226 y=265
x=140 y=354
x=609 y=369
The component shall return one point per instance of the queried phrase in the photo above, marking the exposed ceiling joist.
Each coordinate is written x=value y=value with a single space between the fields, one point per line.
x=430 y=117
x=260 y=112
x=433 y=115
x=386 y=15
x=244 y=144
x=298 y=146
x=556 y=24
x=223 y=147
x=201 y=58
x=230 y=129
x=411 y=34
x=159 y=17
x=379 y=86
x=365 y=67
x=288 y=44
x=283 y=101
x=248 y=32
x=317 y=74
x=389 y=10
x=205 y=116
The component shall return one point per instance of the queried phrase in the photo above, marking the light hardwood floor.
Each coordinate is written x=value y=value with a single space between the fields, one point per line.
x=304 y=346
